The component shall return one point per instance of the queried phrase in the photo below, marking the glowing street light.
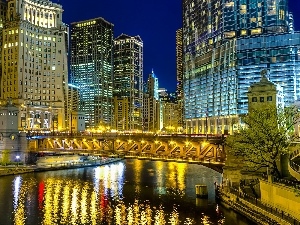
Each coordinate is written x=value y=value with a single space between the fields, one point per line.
x=17 y=158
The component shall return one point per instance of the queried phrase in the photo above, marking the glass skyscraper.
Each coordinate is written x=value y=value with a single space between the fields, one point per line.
x=128 y=77
x=92 y=69
x=226 y=43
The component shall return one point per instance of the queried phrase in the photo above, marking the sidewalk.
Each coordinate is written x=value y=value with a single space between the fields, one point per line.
x=253 y=208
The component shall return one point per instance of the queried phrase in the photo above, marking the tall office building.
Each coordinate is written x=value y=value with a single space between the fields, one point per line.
x=179 y=75
x=225 y=47
x=128 y=78
x=179 y=65
x=152 y=86
x=34 y=63
x=92 y=69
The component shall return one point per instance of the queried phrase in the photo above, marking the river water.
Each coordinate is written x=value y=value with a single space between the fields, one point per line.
x=126 y=192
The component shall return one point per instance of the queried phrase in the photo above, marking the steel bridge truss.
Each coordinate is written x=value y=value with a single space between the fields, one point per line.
x=203 y=149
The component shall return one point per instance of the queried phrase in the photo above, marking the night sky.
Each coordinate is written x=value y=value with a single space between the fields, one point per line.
x=156 y=21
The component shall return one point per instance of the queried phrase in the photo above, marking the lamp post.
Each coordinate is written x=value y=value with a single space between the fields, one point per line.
x=17 y=158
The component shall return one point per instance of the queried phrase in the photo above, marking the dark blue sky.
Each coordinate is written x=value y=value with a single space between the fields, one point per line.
x=156 y=21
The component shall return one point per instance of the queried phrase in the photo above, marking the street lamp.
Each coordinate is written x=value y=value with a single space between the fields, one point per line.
x=17 y=158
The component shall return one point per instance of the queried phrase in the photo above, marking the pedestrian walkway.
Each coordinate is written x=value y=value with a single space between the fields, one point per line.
x=253 y=208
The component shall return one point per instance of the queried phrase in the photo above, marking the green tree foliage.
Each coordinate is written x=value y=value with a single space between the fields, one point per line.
x=5 y=157
x=266 y=133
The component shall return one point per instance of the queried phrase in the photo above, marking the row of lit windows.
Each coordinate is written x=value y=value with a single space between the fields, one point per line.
x=86 y=24
x=37 y=97
x=9 y=113
x=262 y=99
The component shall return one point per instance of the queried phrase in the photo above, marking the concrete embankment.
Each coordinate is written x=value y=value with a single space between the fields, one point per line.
x=257 y=212
x=13 y=170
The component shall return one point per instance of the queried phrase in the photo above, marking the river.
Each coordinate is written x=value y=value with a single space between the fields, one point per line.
x=127 y=192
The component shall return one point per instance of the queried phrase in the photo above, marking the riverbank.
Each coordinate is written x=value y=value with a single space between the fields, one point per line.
x=13 y=170
x=253 y=208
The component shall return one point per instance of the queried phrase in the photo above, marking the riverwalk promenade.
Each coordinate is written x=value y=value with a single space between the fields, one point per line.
x=253 y=208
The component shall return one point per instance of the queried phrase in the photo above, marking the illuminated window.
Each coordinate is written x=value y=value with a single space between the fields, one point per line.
x=243 y=9
x=243 y=32
x=256 y=31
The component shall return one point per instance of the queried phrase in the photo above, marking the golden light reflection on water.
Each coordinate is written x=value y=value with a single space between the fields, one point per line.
x=73 y=201
x=22 y=188
x=138 y=165
x=176 y=180
x=65 y=208
x=83 y=204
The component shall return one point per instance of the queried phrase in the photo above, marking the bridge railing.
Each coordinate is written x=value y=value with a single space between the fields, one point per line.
x=286 y=182
x=122 y=135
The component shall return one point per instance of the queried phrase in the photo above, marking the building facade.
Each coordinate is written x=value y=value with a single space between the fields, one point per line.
x=128 y=77
x=225 y=46
x=151 y=114
x=12 y=141
x=121 y=113
x=34 y=63
x=74 y=116
x=92 y=69
x=265 y=93
x=171 y=117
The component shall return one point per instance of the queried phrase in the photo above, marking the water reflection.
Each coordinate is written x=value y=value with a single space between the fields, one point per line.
x=132 y=192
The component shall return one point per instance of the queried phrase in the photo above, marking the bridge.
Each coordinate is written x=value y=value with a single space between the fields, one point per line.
x=191 y=147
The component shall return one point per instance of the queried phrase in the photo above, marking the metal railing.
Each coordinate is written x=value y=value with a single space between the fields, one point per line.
x=271 y=209
x=289 y=183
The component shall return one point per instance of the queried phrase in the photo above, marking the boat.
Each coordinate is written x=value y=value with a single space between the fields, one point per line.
x=52 y=161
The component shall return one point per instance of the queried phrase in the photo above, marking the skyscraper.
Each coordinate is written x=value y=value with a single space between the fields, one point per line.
x=226 y=45
x=179 y=66
x=92 y=69
x=179 y=75
x=151 y=107
x=34 y=63
x=128 y=77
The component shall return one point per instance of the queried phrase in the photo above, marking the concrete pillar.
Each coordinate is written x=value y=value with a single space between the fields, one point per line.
x=208 y=125
x=203 y=126
x=196 y=131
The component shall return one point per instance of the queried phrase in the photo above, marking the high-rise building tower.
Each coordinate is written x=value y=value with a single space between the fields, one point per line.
x=152 y=107
x=128 y=78
x=92 y=69
x=34 y=63
x=225 y=46
x=152 y=86
x=179 y=66
x=179 y=75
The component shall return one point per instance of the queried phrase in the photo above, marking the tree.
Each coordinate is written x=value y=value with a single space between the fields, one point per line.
x=265 y=135
x=5 y=157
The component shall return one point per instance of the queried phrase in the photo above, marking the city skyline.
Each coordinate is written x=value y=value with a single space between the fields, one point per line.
x=161 y=18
